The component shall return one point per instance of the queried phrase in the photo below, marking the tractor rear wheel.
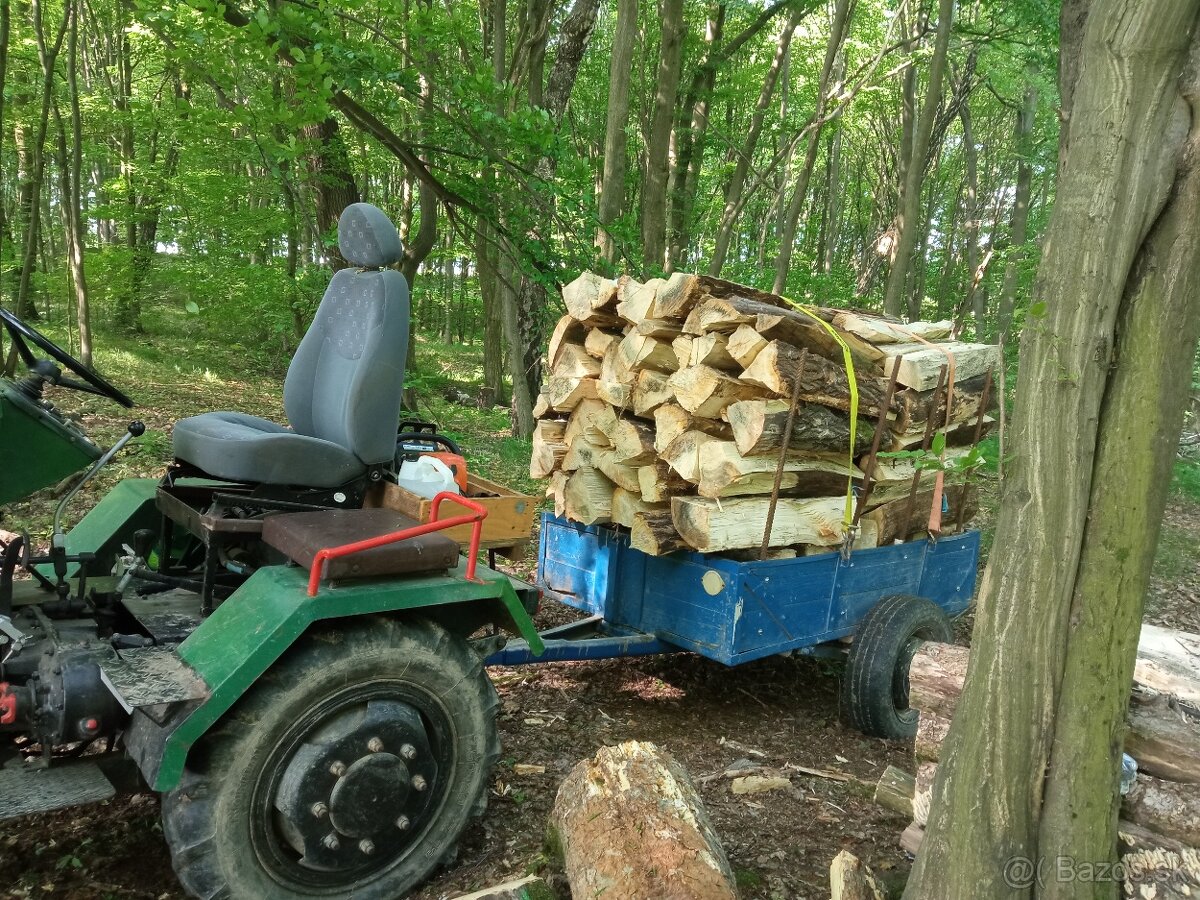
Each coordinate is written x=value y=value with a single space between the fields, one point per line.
x=349 y=770
x=875 y=683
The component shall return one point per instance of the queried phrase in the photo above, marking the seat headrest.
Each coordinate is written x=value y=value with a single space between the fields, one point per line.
x=367 y=238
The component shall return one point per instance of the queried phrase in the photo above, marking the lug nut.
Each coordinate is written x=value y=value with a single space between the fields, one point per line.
x=337 y=768
x=331 y=842
x=319 y=809
x=402 y=823
x=374 y=745
x=366 y=846
x=419 y=783
x=408 y=751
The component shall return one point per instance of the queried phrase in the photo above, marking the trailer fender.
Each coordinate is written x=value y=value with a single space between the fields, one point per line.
x=247 y=633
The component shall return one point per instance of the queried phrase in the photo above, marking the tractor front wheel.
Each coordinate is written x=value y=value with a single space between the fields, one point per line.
x=349 y=770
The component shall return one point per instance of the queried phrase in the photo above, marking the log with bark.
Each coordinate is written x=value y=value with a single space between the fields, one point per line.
x=630 y=824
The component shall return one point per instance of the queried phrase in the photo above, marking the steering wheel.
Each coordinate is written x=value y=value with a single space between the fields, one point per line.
x=22 y=335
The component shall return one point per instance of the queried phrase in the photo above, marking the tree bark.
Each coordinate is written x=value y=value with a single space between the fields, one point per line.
x=658 y=142
x=906 y=222
x=332 y=182
x=1018 y=230
x=620 y=71
x=76 y=232
x=1099 y=399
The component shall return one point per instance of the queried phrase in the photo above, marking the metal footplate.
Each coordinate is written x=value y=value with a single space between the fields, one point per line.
x=26 y=789
x=151 y=677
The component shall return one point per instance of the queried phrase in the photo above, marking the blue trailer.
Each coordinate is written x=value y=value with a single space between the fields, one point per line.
x=888 y=599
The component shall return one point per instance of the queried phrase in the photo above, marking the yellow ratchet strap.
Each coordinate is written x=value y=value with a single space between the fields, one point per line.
x=847 y=357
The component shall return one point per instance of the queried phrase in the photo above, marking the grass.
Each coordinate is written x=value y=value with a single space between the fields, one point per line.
x=1185 y=481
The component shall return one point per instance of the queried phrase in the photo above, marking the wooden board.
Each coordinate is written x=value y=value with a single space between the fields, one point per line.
x=509 y=520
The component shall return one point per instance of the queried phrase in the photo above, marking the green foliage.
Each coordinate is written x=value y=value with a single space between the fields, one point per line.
x=934 y=459
x=1185 y=480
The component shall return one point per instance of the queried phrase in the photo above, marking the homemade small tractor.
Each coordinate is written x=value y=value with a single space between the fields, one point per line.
x=300 y=673
x=302 y=679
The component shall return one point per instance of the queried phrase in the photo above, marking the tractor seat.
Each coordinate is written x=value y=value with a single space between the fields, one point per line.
x=343 y=389
x=299 y=536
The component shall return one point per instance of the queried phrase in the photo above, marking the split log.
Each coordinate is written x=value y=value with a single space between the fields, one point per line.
x=775 y=324
x=663 y=329
x=654 y=533
x=541 y=406
x=617 y=472
x=634 y=299
x=557 y=491
x=631 y=825
x=1155 y=867
x=581 y=453
x=710 y=525
x=850 y=879
x=1163 y=738
x=1169 y=662
x=591 y=299
x=893 y=478
x=931 y=734
x=675 y=296
x=923 y=792
x=632 y=442
x=671 y=420
x=919 y=368
x=758 y=427
x=627 y=504
x=825 y=382
x=637 y=351
x=659 y=482
x=682 y=347
x=549 y=447
x=587 y=497
x=573 y=361
x=879 y=330
x=569 y=330
x=705 y=392
x=898 y=519
x=616 y=379
x=598 y=341
x=718 y=470
x=592 y=419
x=956 y=436
x=895 y=790
x=650 y=392
x=744 y=345
x=564 y=394
x=913 y=408
x=911 y=838
x=1165 y=807
x=713 y=350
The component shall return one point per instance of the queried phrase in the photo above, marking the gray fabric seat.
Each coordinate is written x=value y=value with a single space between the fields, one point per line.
x=343 y=388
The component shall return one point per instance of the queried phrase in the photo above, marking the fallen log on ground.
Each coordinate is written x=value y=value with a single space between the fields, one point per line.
x=630 y=824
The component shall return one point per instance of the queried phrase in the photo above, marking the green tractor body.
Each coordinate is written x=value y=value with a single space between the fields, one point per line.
x=331 y=743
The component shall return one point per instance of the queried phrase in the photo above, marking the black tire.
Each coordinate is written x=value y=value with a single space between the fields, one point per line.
x=875 y=683
x=242 y=817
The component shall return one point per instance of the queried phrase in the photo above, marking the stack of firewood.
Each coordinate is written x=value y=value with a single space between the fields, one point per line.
x=667 y=405
x=1159 y=827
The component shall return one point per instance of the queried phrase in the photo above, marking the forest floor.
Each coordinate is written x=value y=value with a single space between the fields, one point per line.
x=779 y=712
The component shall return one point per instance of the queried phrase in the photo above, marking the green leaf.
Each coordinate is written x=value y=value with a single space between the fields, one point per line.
x=192 y=308
x=1038 y=310
x=939 y=444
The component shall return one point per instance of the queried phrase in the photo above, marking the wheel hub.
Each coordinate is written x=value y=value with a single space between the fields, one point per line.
x=363 y=799
x=355 y=791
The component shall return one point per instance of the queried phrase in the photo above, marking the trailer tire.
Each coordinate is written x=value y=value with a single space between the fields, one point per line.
x=240 y=823
x=875 y=683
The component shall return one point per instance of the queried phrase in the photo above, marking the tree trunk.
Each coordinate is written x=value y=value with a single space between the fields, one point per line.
x=1020 y=213
x=332 y=181
x=658 y=143
x=910 y=199
x=1032 y=757
x=620 y=71
x=630 y=824
x=787 y=235
x=737 y=181
x=76 y=232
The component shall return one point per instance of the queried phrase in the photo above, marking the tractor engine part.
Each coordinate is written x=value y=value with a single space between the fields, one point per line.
x=72 y=701
x=14 y=703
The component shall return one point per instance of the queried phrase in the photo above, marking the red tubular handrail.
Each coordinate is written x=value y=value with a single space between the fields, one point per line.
x=476 y=517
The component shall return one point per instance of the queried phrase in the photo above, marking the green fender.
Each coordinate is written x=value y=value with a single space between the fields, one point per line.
x=234 y=646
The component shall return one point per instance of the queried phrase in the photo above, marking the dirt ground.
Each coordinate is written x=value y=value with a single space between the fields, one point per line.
x=777 y=712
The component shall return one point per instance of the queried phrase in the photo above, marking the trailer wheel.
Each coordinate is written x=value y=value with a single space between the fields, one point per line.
x=875 y=683
x=349 y=770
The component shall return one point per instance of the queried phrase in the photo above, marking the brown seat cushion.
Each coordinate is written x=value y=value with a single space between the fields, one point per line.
x=300 y=535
